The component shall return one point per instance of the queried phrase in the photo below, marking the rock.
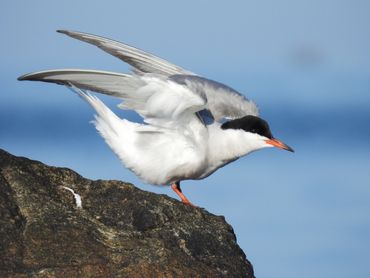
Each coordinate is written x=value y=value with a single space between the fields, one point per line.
x=120 y=231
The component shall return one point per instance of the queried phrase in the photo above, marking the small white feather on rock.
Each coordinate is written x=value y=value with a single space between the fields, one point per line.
x=76 y=196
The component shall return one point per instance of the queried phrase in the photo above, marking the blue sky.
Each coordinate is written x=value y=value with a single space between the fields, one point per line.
x=306 y=64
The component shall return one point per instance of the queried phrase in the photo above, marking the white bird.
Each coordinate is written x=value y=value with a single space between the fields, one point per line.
x=192 y=125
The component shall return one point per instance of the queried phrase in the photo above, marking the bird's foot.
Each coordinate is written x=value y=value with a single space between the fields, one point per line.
x=176 y=187
x=188 y=203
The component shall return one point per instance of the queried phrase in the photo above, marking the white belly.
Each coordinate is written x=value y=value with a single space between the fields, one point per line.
x=162 y=158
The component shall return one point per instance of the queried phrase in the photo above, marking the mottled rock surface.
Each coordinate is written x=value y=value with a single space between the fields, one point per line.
x=120 y=231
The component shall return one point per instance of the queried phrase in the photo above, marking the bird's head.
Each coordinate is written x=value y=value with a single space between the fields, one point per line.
x=256 y=130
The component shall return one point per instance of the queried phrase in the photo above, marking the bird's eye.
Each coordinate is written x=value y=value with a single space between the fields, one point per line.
x=254 y=130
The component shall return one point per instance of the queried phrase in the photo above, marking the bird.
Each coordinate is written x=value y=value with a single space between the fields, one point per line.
x=192 y=125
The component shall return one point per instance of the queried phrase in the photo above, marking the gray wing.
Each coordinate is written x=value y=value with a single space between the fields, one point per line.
x=159 y=101
x=110 y=83
x=222 y=101
x=140 y=60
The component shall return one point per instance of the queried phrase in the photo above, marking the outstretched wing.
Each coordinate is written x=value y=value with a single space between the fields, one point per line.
x=109 y=83
x=160 y=101
x=223 y=101
x=162 y=92
x=141 y=60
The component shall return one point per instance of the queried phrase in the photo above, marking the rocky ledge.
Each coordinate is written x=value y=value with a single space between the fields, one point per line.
x=110 y=229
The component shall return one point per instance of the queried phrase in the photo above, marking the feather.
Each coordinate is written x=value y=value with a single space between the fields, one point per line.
x=109 y=83
x=143 y=61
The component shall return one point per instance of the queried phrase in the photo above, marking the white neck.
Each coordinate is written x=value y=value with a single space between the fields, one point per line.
x=226 y=145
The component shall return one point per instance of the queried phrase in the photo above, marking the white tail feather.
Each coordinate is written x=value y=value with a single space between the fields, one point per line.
x=109 y=125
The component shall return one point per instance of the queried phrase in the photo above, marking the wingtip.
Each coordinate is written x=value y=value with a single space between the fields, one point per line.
x=22 y=77
x=33 y=76
x=63 y=31
x=70 y=33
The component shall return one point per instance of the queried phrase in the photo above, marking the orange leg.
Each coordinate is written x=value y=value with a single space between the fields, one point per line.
x=176 y=187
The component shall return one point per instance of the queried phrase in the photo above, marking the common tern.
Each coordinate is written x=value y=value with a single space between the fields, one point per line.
x=192 y=125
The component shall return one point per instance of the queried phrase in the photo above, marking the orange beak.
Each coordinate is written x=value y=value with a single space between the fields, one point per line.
x=277 y=143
